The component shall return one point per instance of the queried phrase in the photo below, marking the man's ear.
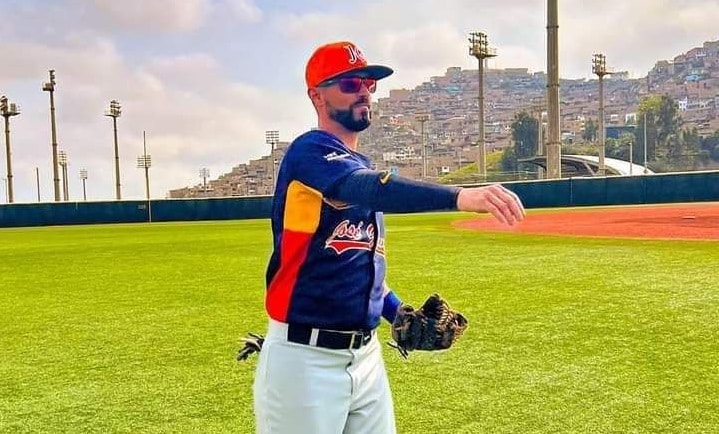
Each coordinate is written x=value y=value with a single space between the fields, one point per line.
x=315 y=96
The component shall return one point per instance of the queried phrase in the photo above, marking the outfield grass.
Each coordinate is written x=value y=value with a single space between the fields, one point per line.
x=134 y=328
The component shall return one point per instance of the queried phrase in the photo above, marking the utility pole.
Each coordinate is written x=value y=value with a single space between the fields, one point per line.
x=114 y=112
x=599 y=67
x=8 y=110
x=554 y=145
x=50 y=87
x=479 y=48
x=422 y=119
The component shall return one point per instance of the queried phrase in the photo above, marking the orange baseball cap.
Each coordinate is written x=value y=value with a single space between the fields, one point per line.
x=341 y=58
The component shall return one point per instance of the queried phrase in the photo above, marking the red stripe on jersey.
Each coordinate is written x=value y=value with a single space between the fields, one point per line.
x=293 y=254
x=301 y=219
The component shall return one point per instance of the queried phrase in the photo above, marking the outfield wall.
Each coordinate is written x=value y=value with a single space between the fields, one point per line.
x=134 y=211
x=615 y=190
x=619 y=190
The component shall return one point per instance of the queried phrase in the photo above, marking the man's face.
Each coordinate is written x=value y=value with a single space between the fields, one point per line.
x=350 y=109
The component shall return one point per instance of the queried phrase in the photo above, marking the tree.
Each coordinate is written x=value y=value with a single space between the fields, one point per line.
x=524 y=135
x=668 y=120
x=619 y=148
x=661 y=116
x=646 y=122
x=590 y=130
x=509 y=160
x=710 y=144
x=688 y=154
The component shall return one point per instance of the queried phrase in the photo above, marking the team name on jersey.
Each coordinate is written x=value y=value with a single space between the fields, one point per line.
x=352 y=236
x=335 y=156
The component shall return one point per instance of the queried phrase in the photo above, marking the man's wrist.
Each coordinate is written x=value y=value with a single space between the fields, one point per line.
x=391 y=306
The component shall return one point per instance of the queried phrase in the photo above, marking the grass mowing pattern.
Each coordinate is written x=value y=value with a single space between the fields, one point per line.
x=133 y=328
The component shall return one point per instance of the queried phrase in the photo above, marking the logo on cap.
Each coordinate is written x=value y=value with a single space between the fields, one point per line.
x=355 y=54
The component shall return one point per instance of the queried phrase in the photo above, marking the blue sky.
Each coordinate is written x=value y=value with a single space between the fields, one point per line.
x=207 y=78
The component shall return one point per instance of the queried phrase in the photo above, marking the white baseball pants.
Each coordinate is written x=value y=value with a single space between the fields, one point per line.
x=303 y=389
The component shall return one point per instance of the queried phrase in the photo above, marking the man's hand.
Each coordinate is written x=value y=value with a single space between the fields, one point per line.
x=504 y=205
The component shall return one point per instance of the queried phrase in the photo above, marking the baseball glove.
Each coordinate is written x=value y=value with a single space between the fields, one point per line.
x=253 y=344
x=435 y=326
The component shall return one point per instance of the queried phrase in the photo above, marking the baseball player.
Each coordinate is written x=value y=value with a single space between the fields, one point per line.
x=320 y=370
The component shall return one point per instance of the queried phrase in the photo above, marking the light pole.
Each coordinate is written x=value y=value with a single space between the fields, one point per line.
x=599 y=67
x=8 y=110
x=62 y=160
x=272 y=137
x=144 y=161
x=631 y=157
x=540 y=140
x=50 y=87
x=422 y=119
x=554 y=144
x=83 y=176
x=37 y=181
x=646 y=169
x=114 y=112
x=204 y=174
x=479 y=48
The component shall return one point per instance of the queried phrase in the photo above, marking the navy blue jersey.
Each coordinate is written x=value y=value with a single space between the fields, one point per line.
x=327 y=268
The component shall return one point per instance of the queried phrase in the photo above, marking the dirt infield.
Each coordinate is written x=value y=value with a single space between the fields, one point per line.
x=696 y=221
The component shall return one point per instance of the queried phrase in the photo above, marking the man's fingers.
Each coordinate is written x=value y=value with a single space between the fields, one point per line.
x=518 y=205
x=496 y=212
x=499 y=208
x=513 y=204
x=506 y=205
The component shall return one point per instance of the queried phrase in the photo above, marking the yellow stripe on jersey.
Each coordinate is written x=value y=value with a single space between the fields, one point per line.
x=302 y=208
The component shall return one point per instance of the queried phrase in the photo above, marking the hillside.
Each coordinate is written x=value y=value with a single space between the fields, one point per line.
x=393 y=141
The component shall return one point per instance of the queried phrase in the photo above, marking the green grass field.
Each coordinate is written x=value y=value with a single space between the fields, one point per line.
x=134 y=328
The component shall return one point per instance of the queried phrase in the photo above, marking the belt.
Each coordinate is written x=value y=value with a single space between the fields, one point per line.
x=330 y=339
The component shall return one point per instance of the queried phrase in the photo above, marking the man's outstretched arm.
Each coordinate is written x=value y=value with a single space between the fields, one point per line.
x=382 y=191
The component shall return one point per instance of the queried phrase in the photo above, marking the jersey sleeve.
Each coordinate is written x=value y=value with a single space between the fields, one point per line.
x=319 y=161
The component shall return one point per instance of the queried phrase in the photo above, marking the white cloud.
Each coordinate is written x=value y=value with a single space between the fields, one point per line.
x=154 y=15
x=194 y=116
x=245 y=10
x=418 y=35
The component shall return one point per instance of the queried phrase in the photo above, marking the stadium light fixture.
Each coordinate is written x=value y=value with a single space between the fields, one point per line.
x=114 y=112
x=272 y=137
x=50 y=87
x=83 y=177
x=479 y=48
x=63 y=162
x=8 y=110
x=144 y=161
x=204 y=174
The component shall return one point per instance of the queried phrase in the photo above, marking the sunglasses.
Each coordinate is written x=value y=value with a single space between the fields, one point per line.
x=352 y=84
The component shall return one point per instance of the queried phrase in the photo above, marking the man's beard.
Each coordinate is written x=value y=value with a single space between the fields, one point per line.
x=346 y=119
